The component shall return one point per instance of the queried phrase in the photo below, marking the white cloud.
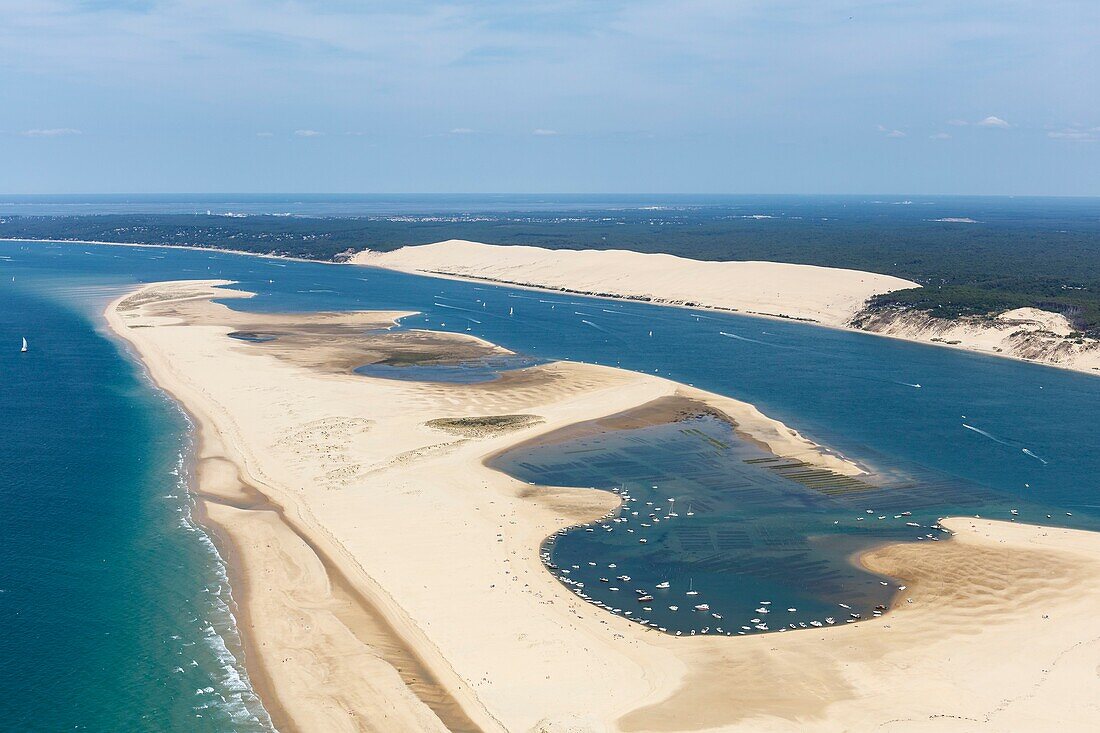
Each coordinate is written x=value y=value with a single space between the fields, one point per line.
x=889 y=132
x=308 y=133
x=940 y=136
x=990 y=121
x=265 y=134
x=462 y=131
x=543 y=132
x=51 y=132
x=1076 y=135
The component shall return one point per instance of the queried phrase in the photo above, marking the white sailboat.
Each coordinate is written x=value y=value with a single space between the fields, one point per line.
x=24 y=349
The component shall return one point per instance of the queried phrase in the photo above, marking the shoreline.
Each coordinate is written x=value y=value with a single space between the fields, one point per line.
x=227 y=550
x=379 y=485
x=231 y=545
x=191 y=247
x=258 y=676
x=1094 y=371
x=369 y=258
x=750 y=314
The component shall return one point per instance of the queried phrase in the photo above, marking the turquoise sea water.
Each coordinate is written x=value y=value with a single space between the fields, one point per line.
x=115 y=609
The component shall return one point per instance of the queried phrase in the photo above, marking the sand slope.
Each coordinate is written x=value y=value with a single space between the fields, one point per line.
x=1023 y=333
x=390 y=581
x=827 y=295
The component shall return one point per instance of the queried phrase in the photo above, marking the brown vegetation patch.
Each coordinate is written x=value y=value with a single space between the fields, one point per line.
x=483 y=426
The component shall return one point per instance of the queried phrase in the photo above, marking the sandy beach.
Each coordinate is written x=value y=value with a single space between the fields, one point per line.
x=824 y=295
x=388 y=580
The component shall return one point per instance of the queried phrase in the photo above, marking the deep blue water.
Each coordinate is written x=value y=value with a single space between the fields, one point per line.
x=115 y=613
x=100 y=570
x=1034 y=212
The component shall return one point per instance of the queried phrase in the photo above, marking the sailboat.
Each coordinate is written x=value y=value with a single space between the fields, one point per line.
x=24 y=349
x=691 y=588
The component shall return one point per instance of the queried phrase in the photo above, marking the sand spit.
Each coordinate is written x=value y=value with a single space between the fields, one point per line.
x=389 y=580
x=825 y=295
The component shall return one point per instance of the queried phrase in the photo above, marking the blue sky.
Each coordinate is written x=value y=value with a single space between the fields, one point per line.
x=732 y=96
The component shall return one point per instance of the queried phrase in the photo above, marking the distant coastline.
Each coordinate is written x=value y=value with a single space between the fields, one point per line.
x=982 y=335
x=148 y=245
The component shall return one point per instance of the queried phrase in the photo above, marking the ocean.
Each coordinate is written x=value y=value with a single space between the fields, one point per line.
x=115 y=606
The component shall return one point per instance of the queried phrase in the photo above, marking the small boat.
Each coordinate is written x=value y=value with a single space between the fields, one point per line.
x=703 y=607
x=24 y=349
x=645 y=599
x=691 y=588
x=663 y=585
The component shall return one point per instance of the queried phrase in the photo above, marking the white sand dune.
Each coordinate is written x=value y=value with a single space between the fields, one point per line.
x=823 y=294
x=828 y=296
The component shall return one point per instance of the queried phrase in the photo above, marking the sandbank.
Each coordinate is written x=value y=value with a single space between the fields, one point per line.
x=391 y=581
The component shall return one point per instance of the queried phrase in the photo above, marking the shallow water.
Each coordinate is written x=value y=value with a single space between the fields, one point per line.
x=764 y=542
x=474 y=371
x=101 y=572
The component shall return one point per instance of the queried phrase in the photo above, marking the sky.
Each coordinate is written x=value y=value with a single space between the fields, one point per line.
x=646 y=96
